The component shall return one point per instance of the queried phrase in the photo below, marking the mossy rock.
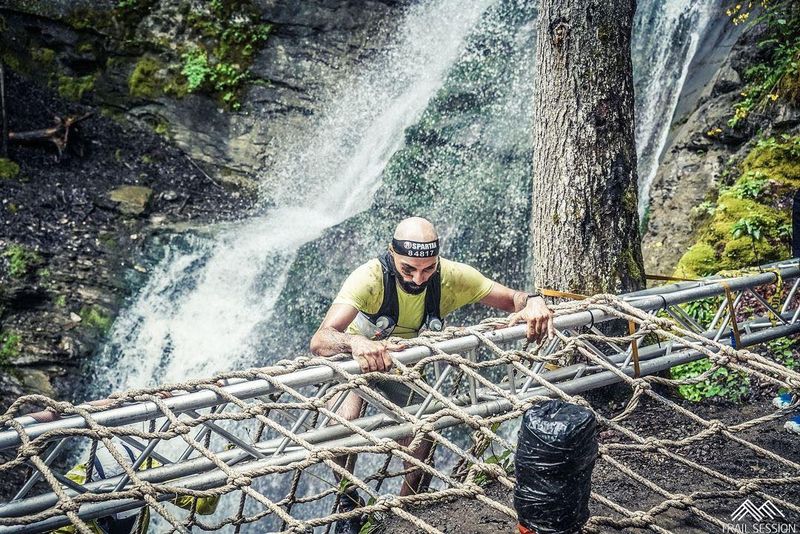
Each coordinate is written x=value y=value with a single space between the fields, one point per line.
x=132 y=199
x=145 y=79
x=743 y=231
x=43 y=56
x=73 y=88
x=21 y=260
x=8 y=169
x=96 y=317
x=699 y=260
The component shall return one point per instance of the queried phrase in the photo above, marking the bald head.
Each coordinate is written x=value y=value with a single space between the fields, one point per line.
x=415 y=229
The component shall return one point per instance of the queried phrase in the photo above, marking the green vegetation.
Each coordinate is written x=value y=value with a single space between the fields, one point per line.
x=748 y=223
x=785 y=351
x=145 y=80
x=43 y=56
x=777 y=78
x=702 y=311
x=9 y=347
x=214 y=58
x=504 y=460
x=227 y=35
x=96 y=318
x=73 y=87
x=722 y=383
x=61 y=301
x=20 y=260
x=8 y=169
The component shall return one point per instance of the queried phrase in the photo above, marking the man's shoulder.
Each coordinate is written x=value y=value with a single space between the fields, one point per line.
x=366 y=276
x=451 y=267
x=370 y=270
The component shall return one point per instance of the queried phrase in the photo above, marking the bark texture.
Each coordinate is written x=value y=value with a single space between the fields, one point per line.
x=585 y=225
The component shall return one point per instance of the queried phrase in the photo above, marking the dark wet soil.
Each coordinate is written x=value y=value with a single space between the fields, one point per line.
x=731 y=459
x=82 y=247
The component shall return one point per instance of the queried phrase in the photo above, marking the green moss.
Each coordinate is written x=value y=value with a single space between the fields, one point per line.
x=633 y=269
x=20 y=260
x=748 y=223
x=12 y=61
x=61 y=301
x=777 y=159
x=73 y=88
x=162 y=128
x=730 y=209
x=9 y=347
x=699 y=260
x=96 y=318
x=8 y=169
x=43 y=56
x=146 y=80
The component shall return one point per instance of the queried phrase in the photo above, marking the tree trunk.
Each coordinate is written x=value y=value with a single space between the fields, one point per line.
x=585 y=225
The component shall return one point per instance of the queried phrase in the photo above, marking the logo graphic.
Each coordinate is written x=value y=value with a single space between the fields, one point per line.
x=767 y=511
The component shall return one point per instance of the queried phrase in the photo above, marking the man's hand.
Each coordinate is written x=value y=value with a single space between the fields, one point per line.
x=539 y=318
x=372 y=355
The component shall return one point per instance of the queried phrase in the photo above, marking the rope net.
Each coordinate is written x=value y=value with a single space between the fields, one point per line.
x=275 y=461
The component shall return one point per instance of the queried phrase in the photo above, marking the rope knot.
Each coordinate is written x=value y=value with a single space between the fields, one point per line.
x=641 y=519
x=62 y=407
x=240 y=481
x=147 y=490
x=181 y=429
x=29 y=450
x=68 y=506
x=716 y=425
x=749 y=487
x=681 y=501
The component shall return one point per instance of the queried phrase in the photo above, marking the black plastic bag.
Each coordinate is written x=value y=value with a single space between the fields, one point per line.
x=556 y=452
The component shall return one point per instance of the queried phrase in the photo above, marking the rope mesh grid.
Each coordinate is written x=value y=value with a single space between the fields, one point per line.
x=272 y=458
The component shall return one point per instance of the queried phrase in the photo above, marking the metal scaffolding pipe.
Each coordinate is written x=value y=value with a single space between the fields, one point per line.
x=201 y=473
x=669 y=295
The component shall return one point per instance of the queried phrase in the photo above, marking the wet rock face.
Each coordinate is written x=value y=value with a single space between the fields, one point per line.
x=73 y=230
x=134 y=60
x=696 y=154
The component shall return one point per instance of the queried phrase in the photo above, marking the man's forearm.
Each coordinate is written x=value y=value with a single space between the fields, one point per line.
x=329 y=341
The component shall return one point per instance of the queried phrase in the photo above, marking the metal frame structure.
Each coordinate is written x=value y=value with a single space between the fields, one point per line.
x=249 y=453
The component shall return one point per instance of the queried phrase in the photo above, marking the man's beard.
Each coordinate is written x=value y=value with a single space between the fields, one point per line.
x=411 y=287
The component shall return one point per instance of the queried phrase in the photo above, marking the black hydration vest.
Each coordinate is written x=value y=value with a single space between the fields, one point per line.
x=385 y=320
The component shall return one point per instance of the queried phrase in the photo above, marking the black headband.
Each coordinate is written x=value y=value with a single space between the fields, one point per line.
x=415 y=249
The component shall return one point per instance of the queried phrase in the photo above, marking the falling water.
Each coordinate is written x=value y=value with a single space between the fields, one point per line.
x=439 y=125
x=665 y=38
x=196 y=313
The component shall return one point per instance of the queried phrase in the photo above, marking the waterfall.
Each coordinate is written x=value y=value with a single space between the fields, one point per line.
x=204 y=300
x=196 y=313
x=665 y=38
x=438 y=124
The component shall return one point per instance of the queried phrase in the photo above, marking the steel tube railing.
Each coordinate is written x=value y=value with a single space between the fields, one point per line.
x=201 y=474
x=644 y=300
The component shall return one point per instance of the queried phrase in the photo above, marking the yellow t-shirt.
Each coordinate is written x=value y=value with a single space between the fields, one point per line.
x=363 y=289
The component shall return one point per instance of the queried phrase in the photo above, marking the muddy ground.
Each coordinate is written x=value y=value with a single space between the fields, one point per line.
x=465 y=516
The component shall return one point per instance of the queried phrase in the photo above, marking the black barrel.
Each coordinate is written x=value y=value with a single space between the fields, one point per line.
x=556 y=453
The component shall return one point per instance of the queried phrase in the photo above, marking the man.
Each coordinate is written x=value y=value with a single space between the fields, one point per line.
x=408 y=288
